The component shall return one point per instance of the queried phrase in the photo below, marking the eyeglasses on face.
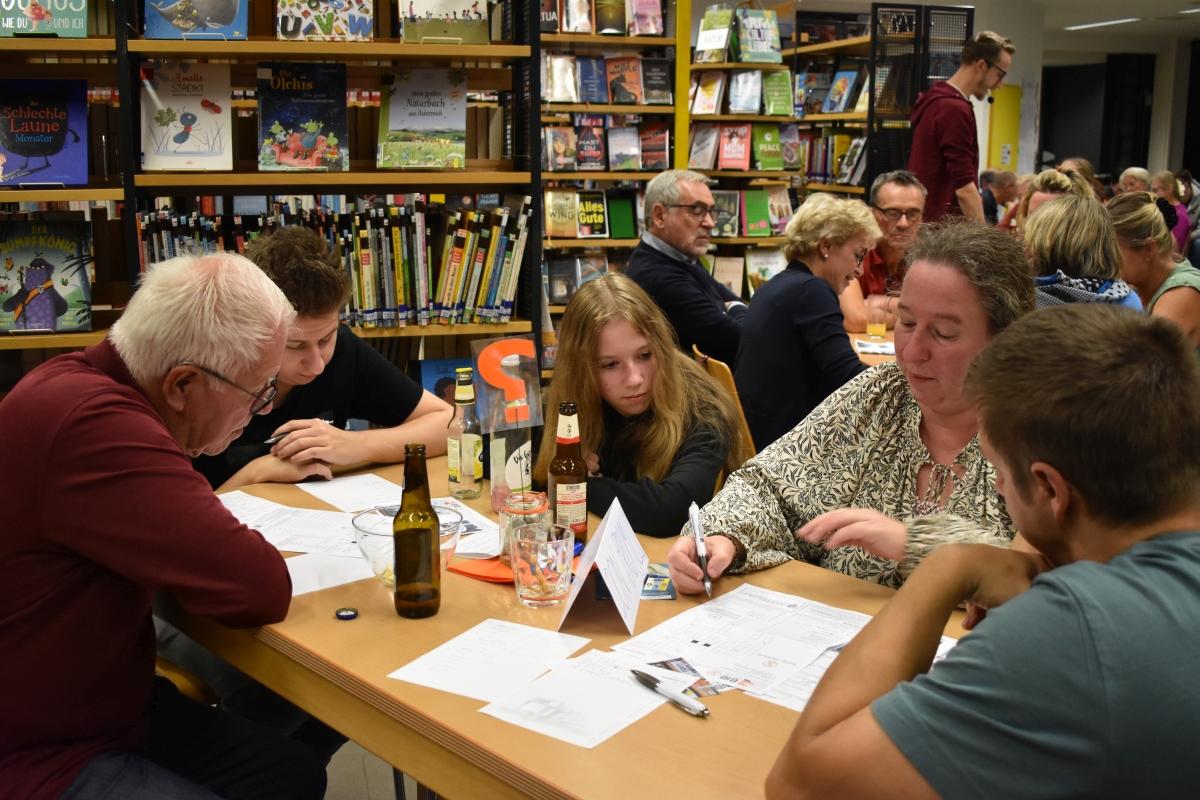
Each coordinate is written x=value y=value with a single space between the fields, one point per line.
x=697 y=211
x=262 y=398
x=1003 y=73
x=894 y=214
x=859 y=256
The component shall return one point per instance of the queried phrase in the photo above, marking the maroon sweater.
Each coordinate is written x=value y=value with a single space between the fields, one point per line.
x=945 y=148
x=102 y=509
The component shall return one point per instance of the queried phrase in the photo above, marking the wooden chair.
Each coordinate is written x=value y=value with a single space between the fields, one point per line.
x=720 y=372
x=188 y=684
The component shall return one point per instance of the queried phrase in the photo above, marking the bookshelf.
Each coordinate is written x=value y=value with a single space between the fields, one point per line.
x=114 y=52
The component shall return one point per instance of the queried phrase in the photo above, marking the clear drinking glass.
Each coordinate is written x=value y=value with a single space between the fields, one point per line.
x=541 y=563
x=521 y=508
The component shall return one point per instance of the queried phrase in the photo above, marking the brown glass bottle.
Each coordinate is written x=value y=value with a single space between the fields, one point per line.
x=567 y=478
x=418 y=591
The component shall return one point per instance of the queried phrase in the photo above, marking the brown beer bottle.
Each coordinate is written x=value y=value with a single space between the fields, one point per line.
x=568 y=474
x=418 y=591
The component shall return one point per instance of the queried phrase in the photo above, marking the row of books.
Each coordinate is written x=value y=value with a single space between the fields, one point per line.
x=822 y=156
x=755 y=266
x=46 y=285
x=589 y=148
x=416 y=263
x=746 y=35
x=605 y=17
x=593 y=213
x=829 y=88
x=623 y=80
x=749 y=92
x=751 y=212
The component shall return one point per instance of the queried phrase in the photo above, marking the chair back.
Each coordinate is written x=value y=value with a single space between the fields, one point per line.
x=720 y=372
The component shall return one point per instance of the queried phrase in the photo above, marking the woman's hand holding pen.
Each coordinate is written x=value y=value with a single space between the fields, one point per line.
x=684 y=565
x=307 y=440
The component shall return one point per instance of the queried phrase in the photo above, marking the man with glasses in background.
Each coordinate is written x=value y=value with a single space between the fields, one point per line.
x=945 y=144
x=897 y=200
x=103 y=510
x=679 y=217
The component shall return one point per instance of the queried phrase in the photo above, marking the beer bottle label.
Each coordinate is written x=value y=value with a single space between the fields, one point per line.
x=464 y=393
x=570 y=505
x=472 y=454
x=453 y=459
x=568 y=429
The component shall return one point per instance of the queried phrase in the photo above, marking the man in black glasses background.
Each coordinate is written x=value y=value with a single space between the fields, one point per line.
x=679 y=217
x=945 y=145
x=103 y=510
x=897 y=200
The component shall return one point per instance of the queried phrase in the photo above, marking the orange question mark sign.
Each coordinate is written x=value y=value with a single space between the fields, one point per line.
x=493 y=372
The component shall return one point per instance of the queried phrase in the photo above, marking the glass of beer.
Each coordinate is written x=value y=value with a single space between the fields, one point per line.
x=541 y=563
x=877 y=316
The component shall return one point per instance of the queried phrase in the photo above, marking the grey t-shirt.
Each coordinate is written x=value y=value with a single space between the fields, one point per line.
x=1087 y=685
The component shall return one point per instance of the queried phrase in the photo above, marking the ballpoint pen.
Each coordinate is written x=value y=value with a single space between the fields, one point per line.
x=701 y=552
x=688 y=704
x=279 y=436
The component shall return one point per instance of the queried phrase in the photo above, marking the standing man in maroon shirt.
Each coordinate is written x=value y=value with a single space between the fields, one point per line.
x=103 y=510
x=945 y=146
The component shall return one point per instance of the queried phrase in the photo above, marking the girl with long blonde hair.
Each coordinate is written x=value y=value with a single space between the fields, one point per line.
x=656 y=431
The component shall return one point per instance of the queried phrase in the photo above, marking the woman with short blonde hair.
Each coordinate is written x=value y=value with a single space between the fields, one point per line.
x=794 y=351
x=1047 y=184
x=656 y=431
x=1072 y=248
x=1166 y=185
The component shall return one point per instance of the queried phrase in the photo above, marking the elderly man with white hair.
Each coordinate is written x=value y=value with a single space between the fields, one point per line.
x=1134 y=179
x=103 y=510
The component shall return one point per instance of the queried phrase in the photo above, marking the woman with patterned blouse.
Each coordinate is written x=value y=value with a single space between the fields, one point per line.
x=889 y=466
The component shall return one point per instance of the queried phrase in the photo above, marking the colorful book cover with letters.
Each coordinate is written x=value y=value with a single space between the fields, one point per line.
x=302 y=118
x=423 y=120
x=325 y=20
x=43 y=132
x=63 y=18
x=185 y=116
x=44 y=284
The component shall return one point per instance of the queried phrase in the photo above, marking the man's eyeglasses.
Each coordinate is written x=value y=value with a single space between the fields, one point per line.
x=1003 y=73
x=262 y=398
x=894 y=214
x=697 y=211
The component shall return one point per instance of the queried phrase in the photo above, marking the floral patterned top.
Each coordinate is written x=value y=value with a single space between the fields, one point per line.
x=861 y=448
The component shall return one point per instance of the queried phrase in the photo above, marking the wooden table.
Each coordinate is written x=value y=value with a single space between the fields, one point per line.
x=337 y=671
x=872 y=360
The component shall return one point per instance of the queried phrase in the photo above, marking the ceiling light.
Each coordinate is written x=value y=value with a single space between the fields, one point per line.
x=1190 y=11
x=1101 y=24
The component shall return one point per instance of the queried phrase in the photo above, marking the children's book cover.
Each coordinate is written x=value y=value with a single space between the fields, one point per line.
x=325 y=20
x=840 y=89
x=63 y=18
x=43 y=132
x=423 y=120
x=302 y=117
x=811 y=96
x=444 y=21
x=185 y=116
x=44 y=284
x=437 y=376
x=196 y=19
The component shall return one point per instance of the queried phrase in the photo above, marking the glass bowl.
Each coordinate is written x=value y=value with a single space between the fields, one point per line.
x=373 y=535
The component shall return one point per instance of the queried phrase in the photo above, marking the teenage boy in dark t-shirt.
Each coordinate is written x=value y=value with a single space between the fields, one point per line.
x=328 y=375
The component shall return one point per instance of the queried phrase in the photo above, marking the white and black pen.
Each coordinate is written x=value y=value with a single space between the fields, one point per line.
x=680 y=700
x=701 y=550
x=279 y=436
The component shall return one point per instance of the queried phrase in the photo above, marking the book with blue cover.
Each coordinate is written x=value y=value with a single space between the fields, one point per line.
x=840 y=90
x=302 y=117
x=45 y=284
x=196 y=19
x=593 y=79
x=43 y=132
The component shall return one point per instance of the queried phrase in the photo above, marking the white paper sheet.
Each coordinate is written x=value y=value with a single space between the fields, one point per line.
x=585 y=700
x=479 y=536
x=616 y=550
x=315 y=571
x=875 y=348
x=296 y=530
x=491 y=660
x=355 y=492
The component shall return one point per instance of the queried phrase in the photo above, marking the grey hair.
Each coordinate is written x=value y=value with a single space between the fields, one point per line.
x=1003 y=178
x=823 y=216
x=217 y=310
x=1140 y=173
x=900 y=177
x=664 y=189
